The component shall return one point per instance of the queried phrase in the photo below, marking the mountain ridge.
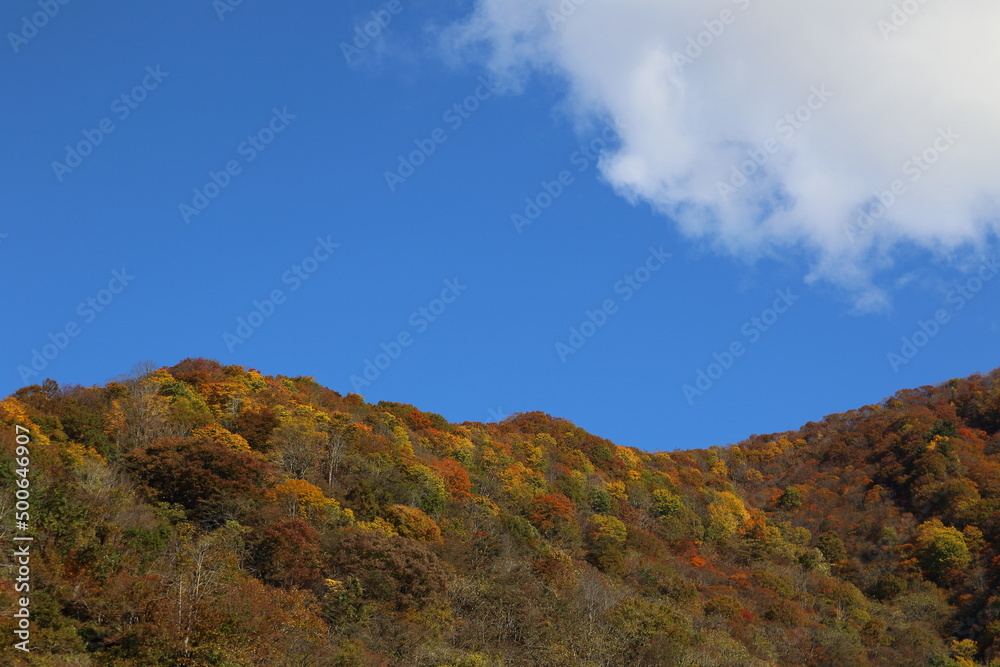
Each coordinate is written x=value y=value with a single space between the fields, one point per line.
x=385 y=535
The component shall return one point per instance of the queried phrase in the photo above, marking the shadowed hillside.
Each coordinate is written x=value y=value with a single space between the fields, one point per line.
x=209 y=515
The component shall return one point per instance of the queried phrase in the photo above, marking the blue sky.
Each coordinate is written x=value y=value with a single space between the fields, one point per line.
x=309 y=213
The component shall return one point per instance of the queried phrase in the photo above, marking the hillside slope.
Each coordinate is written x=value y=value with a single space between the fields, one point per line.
x=208 y=515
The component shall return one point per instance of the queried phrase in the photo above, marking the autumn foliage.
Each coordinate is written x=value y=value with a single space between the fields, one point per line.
x=206 y=514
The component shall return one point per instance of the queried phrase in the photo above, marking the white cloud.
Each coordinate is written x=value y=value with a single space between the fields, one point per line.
x=895 y=85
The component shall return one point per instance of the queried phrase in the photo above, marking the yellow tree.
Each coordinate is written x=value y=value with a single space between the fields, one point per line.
x=139 y=415
x=301 y=499
x=297 y=442
x=412 y=523
x=941 y=549
x=726 y=514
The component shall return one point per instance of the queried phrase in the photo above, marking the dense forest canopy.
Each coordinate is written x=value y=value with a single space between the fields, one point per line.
x=210 y=515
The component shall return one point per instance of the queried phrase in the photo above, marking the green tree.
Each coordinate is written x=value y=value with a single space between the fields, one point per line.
x=606 y=536
x=600 y=500
x=790 y=499
x=666 y=503
x=832 y=547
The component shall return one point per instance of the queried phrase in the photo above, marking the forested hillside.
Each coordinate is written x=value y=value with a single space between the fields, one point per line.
x=209 y=515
